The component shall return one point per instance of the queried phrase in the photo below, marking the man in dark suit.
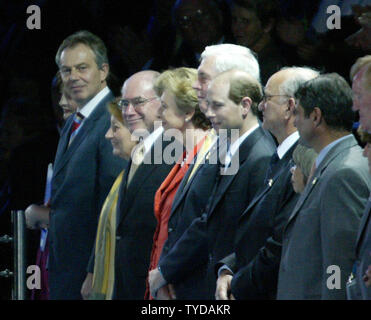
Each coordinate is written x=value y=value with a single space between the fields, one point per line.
x=146 y=171
x=251 y=271
x=84 y=167
x=232 y=101
x=318 y=248
x=361 y=76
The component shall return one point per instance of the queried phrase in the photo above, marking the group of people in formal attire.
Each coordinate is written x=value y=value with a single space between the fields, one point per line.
x=204 y=184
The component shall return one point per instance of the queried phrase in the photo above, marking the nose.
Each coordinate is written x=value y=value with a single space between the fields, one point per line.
x=63 y=101
x=196 y=85
x=109 y=134
x=261 y=106
x=210 y=114
x=129 y=111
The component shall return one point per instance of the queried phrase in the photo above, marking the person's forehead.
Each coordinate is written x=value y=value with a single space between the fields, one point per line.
x=208 y=67
x=79 y=53
x=218 y=89
x=137 y=87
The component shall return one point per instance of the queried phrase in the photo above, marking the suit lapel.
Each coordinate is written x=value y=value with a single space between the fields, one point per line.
x=184 y=186
x=332 y=154
x=67 y=151
x=243 y=154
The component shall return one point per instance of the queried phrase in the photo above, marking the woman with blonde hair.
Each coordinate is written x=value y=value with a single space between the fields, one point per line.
x=180 y=111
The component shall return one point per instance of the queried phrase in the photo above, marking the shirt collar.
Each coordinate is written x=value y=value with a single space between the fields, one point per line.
x=241 y=139
x=326 y=149
x=88 y=108
x=287 y=144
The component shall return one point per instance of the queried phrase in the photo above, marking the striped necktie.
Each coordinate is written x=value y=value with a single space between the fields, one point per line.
x=77 y=120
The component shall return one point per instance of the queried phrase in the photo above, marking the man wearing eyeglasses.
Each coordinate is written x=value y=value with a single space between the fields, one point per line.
x=146 y=171
x=251 y=271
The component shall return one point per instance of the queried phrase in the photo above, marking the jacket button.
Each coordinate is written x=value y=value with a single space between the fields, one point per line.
x=118 y=238
x=210 y=257
x=170 y=230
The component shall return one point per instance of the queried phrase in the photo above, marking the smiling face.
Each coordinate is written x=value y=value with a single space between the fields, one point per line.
x=172 y=117
x=362 y=100
x=142 y=117
x=80 y=73
x=120 y=138
x=222 y=112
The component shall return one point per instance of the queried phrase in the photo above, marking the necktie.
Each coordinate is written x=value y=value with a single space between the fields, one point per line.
x=274 y=159
x=137 y=160
x=77 y=120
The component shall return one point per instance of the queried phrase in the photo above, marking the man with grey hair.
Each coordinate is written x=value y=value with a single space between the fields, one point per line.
x=251 y=271
x=84 y=166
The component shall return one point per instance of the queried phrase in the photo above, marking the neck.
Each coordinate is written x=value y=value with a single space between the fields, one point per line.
x=247 y=125
x=281 y=136
x=325 y=139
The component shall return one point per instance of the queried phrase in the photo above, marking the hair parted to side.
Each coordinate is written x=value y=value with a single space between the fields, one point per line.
x=332 y=95
x=298 y=75
x=90 y=40
x=114 y=110
x=231 y=56
x=179 y=82
x=244 y=85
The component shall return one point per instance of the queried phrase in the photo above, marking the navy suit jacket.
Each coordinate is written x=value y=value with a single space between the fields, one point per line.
x=136 y=223
x=190 y=262
x=256 y=257
x=83 y=175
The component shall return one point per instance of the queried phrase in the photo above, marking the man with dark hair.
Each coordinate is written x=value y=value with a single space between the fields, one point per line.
x=319 y=237
x=84 y=166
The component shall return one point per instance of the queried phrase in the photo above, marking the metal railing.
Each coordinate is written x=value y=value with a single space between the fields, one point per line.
x=18 y=242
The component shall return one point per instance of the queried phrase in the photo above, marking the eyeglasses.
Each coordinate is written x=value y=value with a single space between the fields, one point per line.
x=267 y=97
x=136 y=102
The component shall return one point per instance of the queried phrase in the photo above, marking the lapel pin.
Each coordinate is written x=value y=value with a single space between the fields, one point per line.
x=270 y=182
x=314 y=181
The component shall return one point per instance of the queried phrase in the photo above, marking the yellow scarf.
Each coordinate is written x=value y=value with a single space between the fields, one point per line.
x=103 y=277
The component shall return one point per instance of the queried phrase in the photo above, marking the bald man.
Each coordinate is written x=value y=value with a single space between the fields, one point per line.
x=136 y=222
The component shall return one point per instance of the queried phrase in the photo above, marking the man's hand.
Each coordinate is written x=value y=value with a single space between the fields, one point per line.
x=37 y=216
x=156 y=281
x=223 y=286
x=87 y=286
x=166 y=292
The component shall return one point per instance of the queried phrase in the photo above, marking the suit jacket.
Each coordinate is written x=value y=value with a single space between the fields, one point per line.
x=322 y=229
x=82 y=177
x=190 y=262
x=257 y=251
x=363 y=252
x=136 y=224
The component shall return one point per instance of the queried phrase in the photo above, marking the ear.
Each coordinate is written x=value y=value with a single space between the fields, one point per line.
x=316 y=116
x=290 y=108
x=104 y=72
x=246 y=103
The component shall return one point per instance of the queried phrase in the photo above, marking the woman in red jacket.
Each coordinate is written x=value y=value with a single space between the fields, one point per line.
x=180 y=111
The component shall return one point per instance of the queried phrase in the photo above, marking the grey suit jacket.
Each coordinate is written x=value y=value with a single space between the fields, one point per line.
x=322 y=229
x=83 y=175
x=363 y=253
